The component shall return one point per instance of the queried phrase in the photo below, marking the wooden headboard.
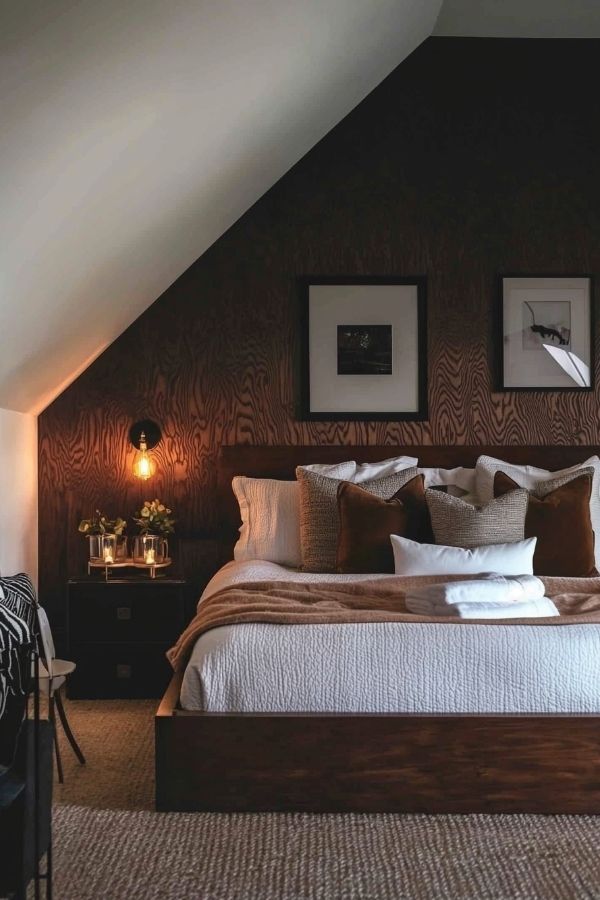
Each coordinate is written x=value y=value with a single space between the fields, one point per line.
x=281 y=462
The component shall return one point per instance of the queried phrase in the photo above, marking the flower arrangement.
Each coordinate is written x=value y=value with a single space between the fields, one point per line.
x=154 y=518
x=100 y=524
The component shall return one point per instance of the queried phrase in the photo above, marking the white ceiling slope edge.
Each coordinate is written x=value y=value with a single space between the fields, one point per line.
x=135 y=132
x=519 y=18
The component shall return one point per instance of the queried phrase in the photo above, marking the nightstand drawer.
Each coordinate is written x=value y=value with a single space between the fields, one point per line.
x=124 y=670
x=122 y=613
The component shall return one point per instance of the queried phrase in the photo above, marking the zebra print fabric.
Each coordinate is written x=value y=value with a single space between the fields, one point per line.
x=17 y=594
x=17 y=632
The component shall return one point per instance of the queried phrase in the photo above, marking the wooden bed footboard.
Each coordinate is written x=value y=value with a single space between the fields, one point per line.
x=375 y=763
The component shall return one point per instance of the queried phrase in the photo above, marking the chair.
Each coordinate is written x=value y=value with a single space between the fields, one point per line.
x=53 y=674
x=26 y=747
x=26 y=817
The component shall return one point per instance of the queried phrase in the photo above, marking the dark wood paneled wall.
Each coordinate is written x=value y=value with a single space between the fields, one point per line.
x=474 y=157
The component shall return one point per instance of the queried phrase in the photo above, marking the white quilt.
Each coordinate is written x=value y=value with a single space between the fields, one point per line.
x=388 y=667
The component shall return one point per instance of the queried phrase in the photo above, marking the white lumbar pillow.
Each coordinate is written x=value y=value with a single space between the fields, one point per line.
x=412 y=558
x=270 y=514
x=530 y=477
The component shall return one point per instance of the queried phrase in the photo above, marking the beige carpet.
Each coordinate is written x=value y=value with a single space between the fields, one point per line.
x=110 y=845
x=117 y=740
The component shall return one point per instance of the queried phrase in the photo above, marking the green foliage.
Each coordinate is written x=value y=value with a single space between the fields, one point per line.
x=154 y=518
x=100 y=524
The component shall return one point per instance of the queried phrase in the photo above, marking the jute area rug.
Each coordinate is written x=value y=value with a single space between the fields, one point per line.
x=110 y=844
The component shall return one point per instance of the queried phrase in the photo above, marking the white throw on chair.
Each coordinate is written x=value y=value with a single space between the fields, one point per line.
x=53 y=674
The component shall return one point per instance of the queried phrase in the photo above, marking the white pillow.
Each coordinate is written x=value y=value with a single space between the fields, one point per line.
x=270 y=513
x=530 y=477
x=374 y=470
x=344 y=470
x=460 y=477
x=411 y=558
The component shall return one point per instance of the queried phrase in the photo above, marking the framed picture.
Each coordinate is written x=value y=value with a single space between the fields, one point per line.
x=364 y=349
x=547 y=333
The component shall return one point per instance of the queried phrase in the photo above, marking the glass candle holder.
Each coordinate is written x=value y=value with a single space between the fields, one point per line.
x=122 y=548
x=150 y=549
x=103 y=548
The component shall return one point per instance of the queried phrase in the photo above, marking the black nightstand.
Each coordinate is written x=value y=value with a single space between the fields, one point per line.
x=118 y=631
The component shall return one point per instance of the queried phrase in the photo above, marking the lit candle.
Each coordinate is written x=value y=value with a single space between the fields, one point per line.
x=149 y=557
x=108 y=557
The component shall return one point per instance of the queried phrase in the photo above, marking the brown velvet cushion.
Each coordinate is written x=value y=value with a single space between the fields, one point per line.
x=560 y=520
x=366 y=523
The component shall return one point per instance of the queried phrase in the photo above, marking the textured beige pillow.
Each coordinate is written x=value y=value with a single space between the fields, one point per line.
x=459 y=524
x=319 y=521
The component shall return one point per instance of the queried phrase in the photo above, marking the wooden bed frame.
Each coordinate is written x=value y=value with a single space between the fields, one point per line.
x=374 y=763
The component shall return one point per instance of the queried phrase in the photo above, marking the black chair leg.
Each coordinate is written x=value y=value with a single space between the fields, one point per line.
x=49 y=871
x=67 y=729
x=52 y=717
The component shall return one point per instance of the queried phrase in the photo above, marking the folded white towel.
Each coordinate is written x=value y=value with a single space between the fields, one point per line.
x=491 y=588
x=537 y=608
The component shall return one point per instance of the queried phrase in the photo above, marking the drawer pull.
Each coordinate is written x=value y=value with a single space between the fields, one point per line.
x=124 y=613
x=123 y=671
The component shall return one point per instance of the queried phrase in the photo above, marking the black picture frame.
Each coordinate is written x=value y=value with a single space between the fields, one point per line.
x=499 y=337
x=306 y=413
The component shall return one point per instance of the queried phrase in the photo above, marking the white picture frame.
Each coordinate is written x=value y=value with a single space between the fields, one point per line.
x=364 y=349
x=546 y=327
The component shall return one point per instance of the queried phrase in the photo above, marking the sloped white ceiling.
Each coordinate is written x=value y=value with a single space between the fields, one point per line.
x=135 y=132
x=520 y=18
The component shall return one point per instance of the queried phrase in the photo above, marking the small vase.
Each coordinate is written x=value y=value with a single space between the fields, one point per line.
x=150 y=549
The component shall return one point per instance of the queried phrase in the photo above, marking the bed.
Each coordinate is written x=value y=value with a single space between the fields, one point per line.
x=410 y=734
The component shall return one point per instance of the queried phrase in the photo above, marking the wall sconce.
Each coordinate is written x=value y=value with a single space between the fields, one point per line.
x=144 y=435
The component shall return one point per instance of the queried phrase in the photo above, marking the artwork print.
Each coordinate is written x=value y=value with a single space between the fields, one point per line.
x=545 y=332
x=546 y=322
x=364 y=350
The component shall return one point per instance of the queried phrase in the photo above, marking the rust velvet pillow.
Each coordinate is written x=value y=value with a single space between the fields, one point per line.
x=366 y=523
x=558 y=515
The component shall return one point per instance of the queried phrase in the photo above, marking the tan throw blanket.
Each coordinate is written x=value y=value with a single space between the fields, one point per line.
x=380 y=600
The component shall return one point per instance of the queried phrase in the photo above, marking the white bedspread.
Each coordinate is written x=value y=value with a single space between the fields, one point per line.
x=388 y=667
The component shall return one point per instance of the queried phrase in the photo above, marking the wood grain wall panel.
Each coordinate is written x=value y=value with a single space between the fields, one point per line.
x=475 y=157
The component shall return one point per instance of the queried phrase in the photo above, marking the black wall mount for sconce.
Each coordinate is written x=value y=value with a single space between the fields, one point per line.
x=147 y=427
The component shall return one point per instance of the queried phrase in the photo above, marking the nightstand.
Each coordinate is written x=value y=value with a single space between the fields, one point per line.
x=118 y=631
